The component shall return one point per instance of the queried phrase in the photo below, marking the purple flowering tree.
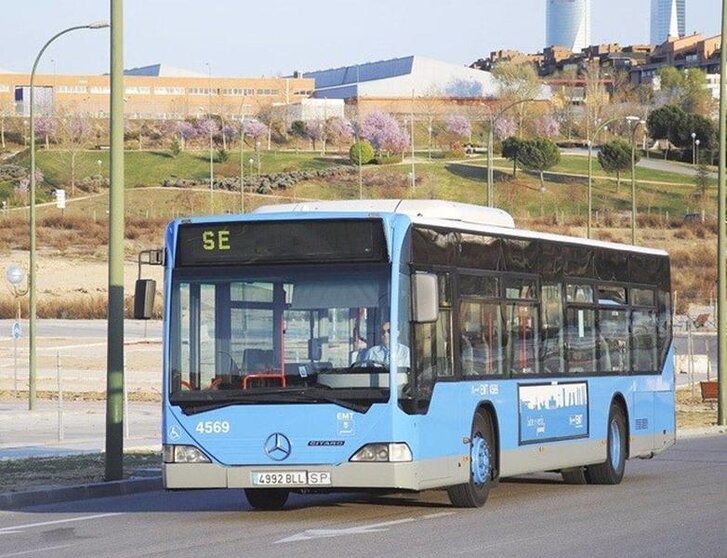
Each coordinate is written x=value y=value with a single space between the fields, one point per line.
x=45 y=127
x=316 y=131
x=186 y=132
x=548 y=126
x=339 y=130
x=384 y=133
x=505 y=128
x=208 y=127
x=459 y=126
x=254 y=129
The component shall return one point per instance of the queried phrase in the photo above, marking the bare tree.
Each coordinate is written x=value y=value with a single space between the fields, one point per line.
x=75 y=135
x=517 y=83
x=596 y=95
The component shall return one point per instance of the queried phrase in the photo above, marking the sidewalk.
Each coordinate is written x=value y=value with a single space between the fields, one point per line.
x=37 y=433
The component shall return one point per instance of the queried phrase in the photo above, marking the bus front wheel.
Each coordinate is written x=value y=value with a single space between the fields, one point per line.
x=267 y=498
x=473 y=494
x=611 y=471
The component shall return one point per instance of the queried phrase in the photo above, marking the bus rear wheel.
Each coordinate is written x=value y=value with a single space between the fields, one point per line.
x=267 y=498
x=611 y=471
x=473 y=494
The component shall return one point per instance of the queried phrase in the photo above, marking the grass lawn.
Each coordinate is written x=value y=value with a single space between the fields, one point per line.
x=150 y=168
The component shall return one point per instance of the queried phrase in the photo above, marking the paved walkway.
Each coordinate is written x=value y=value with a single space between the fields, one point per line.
x=80 y=428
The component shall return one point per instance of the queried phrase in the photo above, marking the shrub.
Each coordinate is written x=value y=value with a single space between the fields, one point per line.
x=361 y=152
x=175 y=148
x=388 y=159
x=222 y=155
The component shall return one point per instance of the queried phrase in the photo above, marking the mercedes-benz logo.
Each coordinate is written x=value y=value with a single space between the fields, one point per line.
x=277 y=447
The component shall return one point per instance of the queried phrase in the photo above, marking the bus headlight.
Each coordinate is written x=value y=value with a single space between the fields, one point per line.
x=378 y=453
x=184 y=454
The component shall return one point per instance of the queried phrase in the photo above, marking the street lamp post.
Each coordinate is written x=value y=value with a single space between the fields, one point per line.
x=694 y=139
x=242 y=165
x=257 y=154
x=15 y=276
x=602 y=126
x=32 y=364
x=696 y=156
x=490 y=142
x=635 y=123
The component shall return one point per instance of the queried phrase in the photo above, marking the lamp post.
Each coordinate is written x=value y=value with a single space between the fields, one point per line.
x=15 y=276
x=257 y=154
x=635 y=122
x=32 y=364
x=694 y=159
x=602 y=126
x=696 y=155
x=490 y=141
x=242 y=164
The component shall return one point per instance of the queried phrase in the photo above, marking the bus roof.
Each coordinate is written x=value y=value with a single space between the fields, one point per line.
x=446 y=214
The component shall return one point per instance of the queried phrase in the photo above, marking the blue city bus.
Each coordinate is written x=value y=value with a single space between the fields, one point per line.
x=407 y=345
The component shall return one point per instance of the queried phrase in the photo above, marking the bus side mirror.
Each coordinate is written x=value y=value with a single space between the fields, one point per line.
x=425 y=298
x=144 y=299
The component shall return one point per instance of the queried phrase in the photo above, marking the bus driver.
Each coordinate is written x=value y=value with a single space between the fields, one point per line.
x=381 y=353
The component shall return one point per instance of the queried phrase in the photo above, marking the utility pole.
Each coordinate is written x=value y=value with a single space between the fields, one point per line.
x=115 y=343
x=722 y=237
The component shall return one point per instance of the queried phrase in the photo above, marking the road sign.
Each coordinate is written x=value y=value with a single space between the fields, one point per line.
x=60 y=198
x=15 y=330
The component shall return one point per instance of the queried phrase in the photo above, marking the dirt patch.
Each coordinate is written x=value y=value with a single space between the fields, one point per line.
x=692 y=412
x=18 y=475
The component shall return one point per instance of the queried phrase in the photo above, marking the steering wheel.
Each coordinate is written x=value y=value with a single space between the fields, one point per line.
x=367 y=364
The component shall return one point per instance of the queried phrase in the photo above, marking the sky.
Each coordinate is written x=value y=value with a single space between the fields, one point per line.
x=278 y=37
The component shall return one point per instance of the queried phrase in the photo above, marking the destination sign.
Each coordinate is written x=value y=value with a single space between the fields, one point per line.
x=239 y=243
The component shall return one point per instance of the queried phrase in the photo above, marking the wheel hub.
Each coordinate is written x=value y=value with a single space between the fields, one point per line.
x=480 y=460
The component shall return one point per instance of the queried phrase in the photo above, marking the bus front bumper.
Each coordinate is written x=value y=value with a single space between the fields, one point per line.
x=404 y=476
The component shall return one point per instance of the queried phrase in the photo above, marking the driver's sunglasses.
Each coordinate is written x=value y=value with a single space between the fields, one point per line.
x=385 y=331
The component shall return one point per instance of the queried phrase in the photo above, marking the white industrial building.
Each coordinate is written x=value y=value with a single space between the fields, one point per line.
x=309 y=110
x=402 y=78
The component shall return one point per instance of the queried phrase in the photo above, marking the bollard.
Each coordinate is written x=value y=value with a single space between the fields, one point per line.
x=126 y=406
x=15 y=367
x=690 y=355
x=60 y=396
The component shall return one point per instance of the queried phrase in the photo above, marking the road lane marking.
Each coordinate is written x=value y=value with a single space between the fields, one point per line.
x=16 y=528
x=330 y=533
x=26 y=552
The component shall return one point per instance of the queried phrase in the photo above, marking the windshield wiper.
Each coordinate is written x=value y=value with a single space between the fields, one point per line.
x=272 y=395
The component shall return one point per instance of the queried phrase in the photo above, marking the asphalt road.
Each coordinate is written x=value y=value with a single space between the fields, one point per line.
x=673 y=505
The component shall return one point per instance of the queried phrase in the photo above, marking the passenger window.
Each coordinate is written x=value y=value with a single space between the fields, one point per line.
x=611 y=295
x=521 y=340
x=642 y=297
x=552 y=358
x=480 y=339
x=644 y=340
x=579 y=293
x=581 y=339
x=614 y=345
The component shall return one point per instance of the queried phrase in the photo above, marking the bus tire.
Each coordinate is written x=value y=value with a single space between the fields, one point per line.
x=473 y=494
x=267 y=498
x=611 y=471
x=575 y=475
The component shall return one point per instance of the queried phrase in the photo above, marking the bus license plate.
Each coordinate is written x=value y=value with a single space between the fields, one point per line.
x=290 y=478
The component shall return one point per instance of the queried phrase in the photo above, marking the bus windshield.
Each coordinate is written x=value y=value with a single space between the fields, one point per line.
x=278 y=335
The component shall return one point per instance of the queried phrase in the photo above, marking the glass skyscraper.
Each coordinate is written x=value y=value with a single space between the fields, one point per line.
x=667 y=20
x=568 y=24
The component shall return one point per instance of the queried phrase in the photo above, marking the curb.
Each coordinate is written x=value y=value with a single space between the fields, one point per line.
x=14 y=500
x=700 y=432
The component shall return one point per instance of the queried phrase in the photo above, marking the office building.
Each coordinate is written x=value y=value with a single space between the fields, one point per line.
x=667 y=20
x=568 y=24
